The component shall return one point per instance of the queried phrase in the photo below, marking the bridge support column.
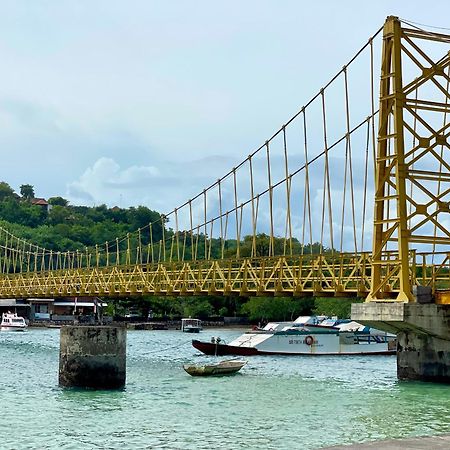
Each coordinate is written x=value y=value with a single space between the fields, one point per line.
x=92 y=357
x=423 y=336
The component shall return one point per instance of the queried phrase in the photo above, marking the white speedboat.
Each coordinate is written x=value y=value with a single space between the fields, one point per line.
x=12 y=322
x=305 y=336
x=191 y=325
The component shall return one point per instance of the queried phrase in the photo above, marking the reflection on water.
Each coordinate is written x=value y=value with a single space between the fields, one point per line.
x=275 y=402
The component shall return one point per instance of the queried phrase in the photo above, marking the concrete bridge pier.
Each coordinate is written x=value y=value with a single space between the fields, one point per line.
x=92 y=357
x=423 y=336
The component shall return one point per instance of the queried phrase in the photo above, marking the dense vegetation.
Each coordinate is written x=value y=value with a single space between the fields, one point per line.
x=65 y=227
x=255 y=309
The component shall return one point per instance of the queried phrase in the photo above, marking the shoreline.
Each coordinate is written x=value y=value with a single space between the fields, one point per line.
x=172 y=325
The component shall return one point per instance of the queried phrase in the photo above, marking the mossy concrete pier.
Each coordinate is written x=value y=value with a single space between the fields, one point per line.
x=423 y=336
x=92 y=357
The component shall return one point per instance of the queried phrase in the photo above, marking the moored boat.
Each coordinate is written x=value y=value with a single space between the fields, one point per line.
x=12 y=322
x=226 y=367
x=305 y=336
x=191 y=325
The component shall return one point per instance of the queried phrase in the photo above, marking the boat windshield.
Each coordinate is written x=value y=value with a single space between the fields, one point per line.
x=191 y=321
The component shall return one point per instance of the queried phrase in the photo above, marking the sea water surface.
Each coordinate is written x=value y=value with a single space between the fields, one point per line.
x=275 y=402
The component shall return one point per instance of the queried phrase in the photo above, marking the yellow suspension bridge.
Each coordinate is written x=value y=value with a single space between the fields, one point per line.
x=350 y=197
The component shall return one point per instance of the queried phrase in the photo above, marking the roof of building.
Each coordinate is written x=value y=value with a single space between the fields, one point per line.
x=39 y=201
x=11 y=302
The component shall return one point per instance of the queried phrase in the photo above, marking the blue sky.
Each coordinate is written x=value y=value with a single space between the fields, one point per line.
x=147 y=102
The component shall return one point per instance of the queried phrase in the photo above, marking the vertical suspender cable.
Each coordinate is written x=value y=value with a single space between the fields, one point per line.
x=288 y=229
x=197 y=238
x=191 y=229
x=219 y=185
x=372 y=107
x=139 y=249
x=307 y=193
x=252 y=196
x=106 y=251
x=238 y=244
x=184 y=245
x=176 y=234
x=225 y=233
x=326 y=180
x=210 y=239
x=240 y=221
x=205 y=228
x=150 y=228
x=350 y=161
x=366 y=170
x=163 y=225
x=271 y=244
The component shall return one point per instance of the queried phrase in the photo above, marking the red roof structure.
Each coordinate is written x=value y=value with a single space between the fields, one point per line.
x=39 y=201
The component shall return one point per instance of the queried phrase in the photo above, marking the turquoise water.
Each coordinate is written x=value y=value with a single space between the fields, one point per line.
x=273 y=403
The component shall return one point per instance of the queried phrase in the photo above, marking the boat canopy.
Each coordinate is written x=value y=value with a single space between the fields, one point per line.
x=193 y=322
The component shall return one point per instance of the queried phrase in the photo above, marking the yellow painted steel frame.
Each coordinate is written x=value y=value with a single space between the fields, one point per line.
x=340 y=275
x=320 y=275
x=400 y=221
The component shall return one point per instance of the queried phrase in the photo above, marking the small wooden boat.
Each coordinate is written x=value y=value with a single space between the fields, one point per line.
x=226 y=367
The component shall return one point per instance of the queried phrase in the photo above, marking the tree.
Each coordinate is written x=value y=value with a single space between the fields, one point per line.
x=335 y=306
x=6 y=191
x=196 y=307
x=58 y=201
x=58 y=214
x=276 y=308
x=27 y=191
x=21 y=213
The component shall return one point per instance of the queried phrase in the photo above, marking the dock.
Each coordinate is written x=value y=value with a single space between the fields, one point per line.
x=441 y=442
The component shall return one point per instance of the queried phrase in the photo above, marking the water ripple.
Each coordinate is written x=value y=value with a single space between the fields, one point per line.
x=275 y=402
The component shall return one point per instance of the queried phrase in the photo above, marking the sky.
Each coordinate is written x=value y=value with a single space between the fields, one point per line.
x=144 y=102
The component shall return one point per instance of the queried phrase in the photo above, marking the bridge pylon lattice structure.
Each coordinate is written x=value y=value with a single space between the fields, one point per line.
x=412 y=164
x=296 y=216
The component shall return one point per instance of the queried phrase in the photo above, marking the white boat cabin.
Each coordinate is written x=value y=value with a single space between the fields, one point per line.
x=191 y=325
x=12 y=322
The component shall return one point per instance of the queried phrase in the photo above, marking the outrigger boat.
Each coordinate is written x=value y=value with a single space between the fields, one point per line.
x=305 y=336
x=12 y=322
x=226 y=367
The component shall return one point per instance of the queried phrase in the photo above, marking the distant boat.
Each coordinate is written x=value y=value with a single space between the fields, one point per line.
x=191 y=325
x=12 y=322
x=305 y=336
x=226 y=367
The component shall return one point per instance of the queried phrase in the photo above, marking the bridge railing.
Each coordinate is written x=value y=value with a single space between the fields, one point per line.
x=344 y=275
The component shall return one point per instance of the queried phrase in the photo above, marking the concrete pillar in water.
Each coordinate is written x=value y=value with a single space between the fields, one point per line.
x=92 y=356
x=423 y=336
x=422 y=357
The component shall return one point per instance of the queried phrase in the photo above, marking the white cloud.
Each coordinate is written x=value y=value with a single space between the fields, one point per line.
x=106 y=182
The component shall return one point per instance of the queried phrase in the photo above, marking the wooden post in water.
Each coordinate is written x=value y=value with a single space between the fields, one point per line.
x=92 y=356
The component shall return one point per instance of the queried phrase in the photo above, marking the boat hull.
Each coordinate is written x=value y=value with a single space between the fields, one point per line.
x=6 y=328
x=209 y=348
x=223 y=368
